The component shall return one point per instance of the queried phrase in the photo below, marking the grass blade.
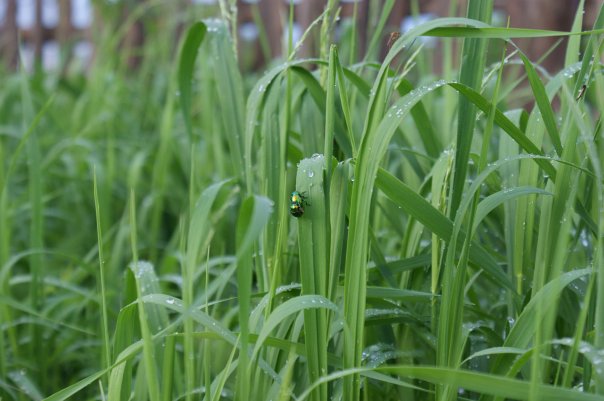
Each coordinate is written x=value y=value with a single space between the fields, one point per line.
x=188 y=54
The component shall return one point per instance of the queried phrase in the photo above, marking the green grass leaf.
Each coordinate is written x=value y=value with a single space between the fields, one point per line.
x=188 y=54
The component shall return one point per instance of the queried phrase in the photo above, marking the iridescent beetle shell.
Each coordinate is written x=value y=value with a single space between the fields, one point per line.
x=296 y=204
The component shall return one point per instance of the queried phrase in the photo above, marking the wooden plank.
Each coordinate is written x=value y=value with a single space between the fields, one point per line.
x=9 y=36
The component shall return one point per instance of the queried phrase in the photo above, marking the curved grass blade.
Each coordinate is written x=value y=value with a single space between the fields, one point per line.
x=287 y=308
x=506 y=124
x=543 y=103
x=493 y=201
x=524 y=329
x=412 y=203
x=487 y=32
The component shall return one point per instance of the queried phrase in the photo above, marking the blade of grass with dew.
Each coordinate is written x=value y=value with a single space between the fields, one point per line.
x=289 y=307
x=253 y=216
x=139 y=270
x=126 y=328
x=422 y=122
x=211 y=324
x=493 y=201
x=144 y=278
x=314 y=256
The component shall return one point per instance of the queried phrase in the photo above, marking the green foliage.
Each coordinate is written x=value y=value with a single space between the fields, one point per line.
x=451 y=245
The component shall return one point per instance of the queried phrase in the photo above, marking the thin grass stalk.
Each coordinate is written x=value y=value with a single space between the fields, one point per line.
x=353 y=33
x=345 y=103
x=328 y=152
x=160 y=171
x=244 y=288
x=106 y=349
x=262 y=35
x=207 y=377
x=449 y=101
x=188 y=269
x=338 y=206
x=599 y=267
x=571 y=366
x=374 y=44
x=440 y=185
x=36 y=234
x=167 y=380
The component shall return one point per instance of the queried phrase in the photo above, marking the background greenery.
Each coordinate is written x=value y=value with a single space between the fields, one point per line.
x=451 y=247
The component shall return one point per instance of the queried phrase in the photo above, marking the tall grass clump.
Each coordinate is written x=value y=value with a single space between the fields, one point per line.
x=450 y=245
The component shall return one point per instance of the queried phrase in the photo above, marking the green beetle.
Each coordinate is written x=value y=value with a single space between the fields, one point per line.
x=297 y=201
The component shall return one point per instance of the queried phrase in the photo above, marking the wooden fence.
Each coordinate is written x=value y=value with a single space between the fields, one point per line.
x=546 y=14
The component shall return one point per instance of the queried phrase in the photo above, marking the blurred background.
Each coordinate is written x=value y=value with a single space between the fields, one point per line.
x=64 y=35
